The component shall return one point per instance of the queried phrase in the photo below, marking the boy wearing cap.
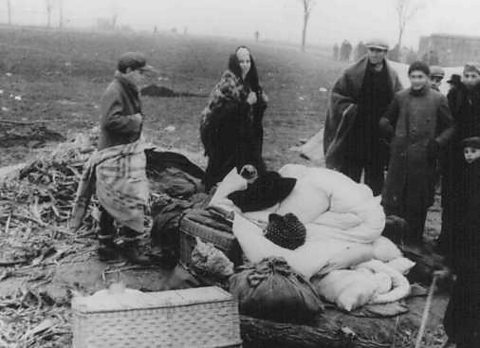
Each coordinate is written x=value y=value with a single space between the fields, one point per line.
x=352 y=141
x=462 y=317
x=121 y=123
x=419 y=123
x=436 y=76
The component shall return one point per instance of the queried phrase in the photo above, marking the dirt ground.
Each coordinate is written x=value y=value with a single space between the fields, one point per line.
x=56 y=79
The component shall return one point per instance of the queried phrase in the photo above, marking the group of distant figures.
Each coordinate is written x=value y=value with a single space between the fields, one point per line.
x=343 y=53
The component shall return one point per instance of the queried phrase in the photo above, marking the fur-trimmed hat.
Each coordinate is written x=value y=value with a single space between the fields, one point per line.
x=285 y=231
x=471 y=142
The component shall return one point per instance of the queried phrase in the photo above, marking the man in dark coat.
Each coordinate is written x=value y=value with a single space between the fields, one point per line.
x=420 y=124
x=464 y=102
x=352 y=142
x=121 y=123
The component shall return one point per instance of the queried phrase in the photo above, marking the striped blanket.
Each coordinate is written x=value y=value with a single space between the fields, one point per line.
x=118 y=177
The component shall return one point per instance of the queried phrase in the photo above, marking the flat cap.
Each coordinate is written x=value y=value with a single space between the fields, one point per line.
x=436 y=70
x=377 y=43
x=134 y=61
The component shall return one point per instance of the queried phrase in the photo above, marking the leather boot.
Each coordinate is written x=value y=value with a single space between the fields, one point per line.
x=131 y=251
x=107 y=250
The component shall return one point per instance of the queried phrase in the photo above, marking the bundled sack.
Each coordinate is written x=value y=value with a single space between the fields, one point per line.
x=271 y=290
x=348 y=289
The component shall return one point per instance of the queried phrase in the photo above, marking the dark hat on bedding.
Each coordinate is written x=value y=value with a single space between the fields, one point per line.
x=285 y=231
x=471 y=142
x=267 y=190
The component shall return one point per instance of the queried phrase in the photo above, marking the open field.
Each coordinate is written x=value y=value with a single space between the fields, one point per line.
x=57 y=78
x=60 y=77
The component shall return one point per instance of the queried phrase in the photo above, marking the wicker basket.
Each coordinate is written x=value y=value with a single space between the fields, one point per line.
x=224 y=241
x=201 y=317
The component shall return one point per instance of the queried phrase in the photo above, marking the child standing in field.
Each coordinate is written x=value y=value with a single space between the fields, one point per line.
x=419 y=123
x=462 y=318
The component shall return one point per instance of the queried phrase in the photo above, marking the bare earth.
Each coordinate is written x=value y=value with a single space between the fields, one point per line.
x=56 y=79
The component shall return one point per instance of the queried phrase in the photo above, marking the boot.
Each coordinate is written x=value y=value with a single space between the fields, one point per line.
x=107 y=250
x=163 y=257
x=131 y=251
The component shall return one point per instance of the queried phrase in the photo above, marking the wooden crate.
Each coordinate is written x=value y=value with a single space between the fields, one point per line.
x=200 y=317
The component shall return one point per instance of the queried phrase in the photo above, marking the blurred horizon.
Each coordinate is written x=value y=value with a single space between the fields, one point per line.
x=275 y=20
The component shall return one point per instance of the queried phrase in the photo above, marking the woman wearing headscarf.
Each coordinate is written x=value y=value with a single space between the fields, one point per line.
x=231 y=127
x=464 y=103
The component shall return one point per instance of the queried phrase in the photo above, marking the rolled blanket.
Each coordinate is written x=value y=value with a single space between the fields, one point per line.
x=118 y=175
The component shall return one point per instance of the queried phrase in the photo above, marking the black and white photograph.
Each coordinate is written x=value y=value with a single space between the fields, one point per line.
x=239 y=173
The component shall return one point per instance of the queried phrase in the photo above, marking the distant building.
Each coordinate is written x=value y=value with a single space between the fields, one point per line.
x=451 y=50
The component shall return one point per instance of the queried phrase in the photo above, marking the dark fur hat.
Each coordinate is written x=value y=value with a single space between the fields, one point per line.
x=285 y=231
x=419 y=66
x=471 y=142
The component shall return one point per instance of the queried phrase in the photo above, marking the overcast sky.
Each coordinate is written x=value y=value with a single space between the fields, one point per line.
x=331 y=20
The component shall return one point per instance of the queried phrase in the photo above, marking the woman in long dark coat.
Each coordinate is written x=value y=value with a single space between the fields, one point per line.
x=231 y=127
x=464 y=102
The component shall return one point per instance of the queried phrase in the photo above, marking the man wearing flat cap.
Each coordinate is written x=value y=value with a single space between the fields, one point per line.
x=121 y=110
x=121 y=124
x=352 y=142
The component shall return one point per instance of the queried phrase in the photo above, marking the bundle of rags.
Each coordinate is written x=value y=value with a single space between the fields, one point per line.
x=118 y=176
x=271 y=290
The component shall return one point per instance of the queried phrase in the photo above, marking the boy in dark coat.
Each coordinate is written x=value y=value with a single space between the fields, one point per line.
x=419 y=123
x=462 y=318
x=121 y=123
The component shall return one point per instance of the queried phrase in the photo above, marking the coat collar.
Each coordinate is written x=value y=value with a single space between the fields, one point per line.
x=357 y=71
x=419 y=92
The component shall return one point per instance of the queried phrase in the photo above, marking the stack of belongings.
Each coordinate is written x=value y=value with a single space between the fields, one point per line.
x=325 y=227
